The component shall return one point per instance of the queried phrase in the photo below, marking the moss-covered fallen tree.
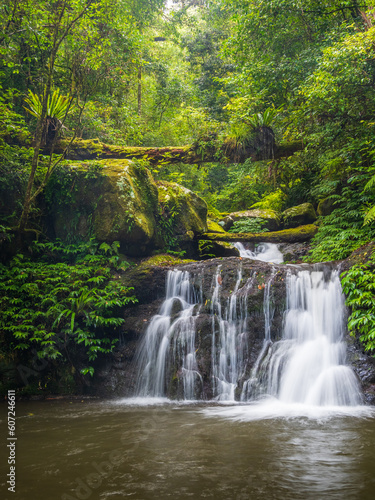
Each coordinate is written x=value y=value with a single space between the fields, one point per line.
x=295 y=235
x=93 y=149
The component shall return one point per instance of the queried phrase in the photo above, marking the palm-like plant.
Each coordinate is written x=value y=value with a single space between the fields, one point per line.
x=264 y=119
x=58 y=107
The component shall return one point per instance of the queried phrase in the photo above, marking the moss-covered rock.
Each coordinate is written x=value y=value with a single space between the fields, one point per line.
x=270 y=217
x=294 y=235
x=299 y=215
x=214 y=227
x=111 y=200
x=185 y=210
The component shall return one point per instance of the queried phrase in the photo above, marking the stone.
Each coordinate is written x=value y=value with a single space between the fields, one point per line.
x=213 y=249
x=111 y=200
x=214 y=227
x=299 y=215
x=184 y=209
x=325 y=207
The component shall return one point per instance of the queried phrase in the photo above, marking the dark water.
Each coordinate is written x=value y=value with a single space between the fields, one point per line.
x=113 y=451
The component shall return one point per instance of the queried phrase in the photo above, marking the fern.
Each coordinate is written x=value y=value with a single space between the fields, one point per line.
x=370 y=216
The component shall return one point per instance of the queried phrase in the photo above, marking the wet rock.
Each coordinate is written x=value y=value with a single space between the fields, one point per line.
x=294 y=252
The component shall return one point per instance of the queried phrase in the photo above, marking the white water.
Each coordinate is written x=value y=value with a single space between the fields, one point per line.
x=266 y=252
x=228 y=337
x=165 y=335
x=306 y=367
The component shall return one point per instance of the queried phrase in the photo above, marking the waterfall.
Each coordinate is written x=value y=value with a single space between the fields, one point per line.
x=228 y=337
x=266 y=252
x=306 y=365
x=170 y=339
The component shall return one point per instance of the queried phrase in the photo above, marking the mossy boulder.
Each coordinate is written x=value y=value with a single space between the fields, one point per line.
x=186 y=211
x=214 y=227
x=111 y=200
x=299 y=215
x=271 y=218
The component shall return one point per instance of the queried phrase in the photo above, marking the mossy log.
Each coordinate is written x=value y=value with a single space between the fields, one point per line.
x=295 y=235
x=94 y=149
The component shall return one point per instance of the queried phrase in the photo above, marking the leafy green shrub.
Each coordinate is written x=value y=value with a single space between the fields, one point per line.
x=342 y=231
x=64 y=296
x=253 y=225
x=359 y=287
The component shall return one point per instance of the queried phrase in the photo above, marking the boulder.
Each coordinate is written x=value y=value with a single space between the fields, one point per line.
x=181 y=209
x=111 y=200
x=299 y=216
x=271 y=218
x=214 y=227
x=213 y=249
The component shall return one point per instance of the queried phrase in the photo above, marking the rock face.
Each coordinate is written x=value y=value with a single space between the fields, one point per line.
x=118 y=376
x=299 y=215
x=118 y=200
x=186 y=210
x=270 y=217
x=114 y=201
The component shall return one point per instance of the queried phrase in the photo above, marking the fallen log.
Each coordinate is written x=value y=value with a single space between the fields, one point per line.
x=93 y=149
x=295 y=235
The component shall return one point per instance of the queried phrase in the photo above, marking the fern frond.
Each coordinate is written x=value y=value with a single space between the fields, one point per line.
x=370 y=216
x=370 y=184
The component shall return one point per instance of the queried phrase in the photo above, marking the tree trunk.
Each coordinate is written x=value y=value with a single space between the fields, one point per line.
x=93 y=149
x=139 y=90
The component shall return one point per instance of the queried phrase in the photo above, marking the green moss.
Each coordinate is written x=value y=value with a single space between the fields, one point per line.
x=271 y=218
x=302 y=233
x=214 y=227
x=163 y=260
x=113 y=200
x=185 y=209
x=94 y=149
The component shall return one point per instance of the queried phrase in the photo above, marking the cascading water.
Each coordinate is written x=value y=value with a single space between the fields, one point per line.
x=306 y=366
x=266 y=252
x=166 y=335
x=228 y=337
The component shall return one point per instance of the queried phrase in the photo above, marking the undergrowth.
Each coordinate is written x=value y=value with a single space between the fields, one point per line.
x=60 y=298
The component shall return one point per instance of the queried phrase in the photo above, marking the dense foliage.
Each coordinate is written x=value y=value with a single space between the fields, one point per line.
x=157 y=73
x=359 y=286
x=63 y=297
